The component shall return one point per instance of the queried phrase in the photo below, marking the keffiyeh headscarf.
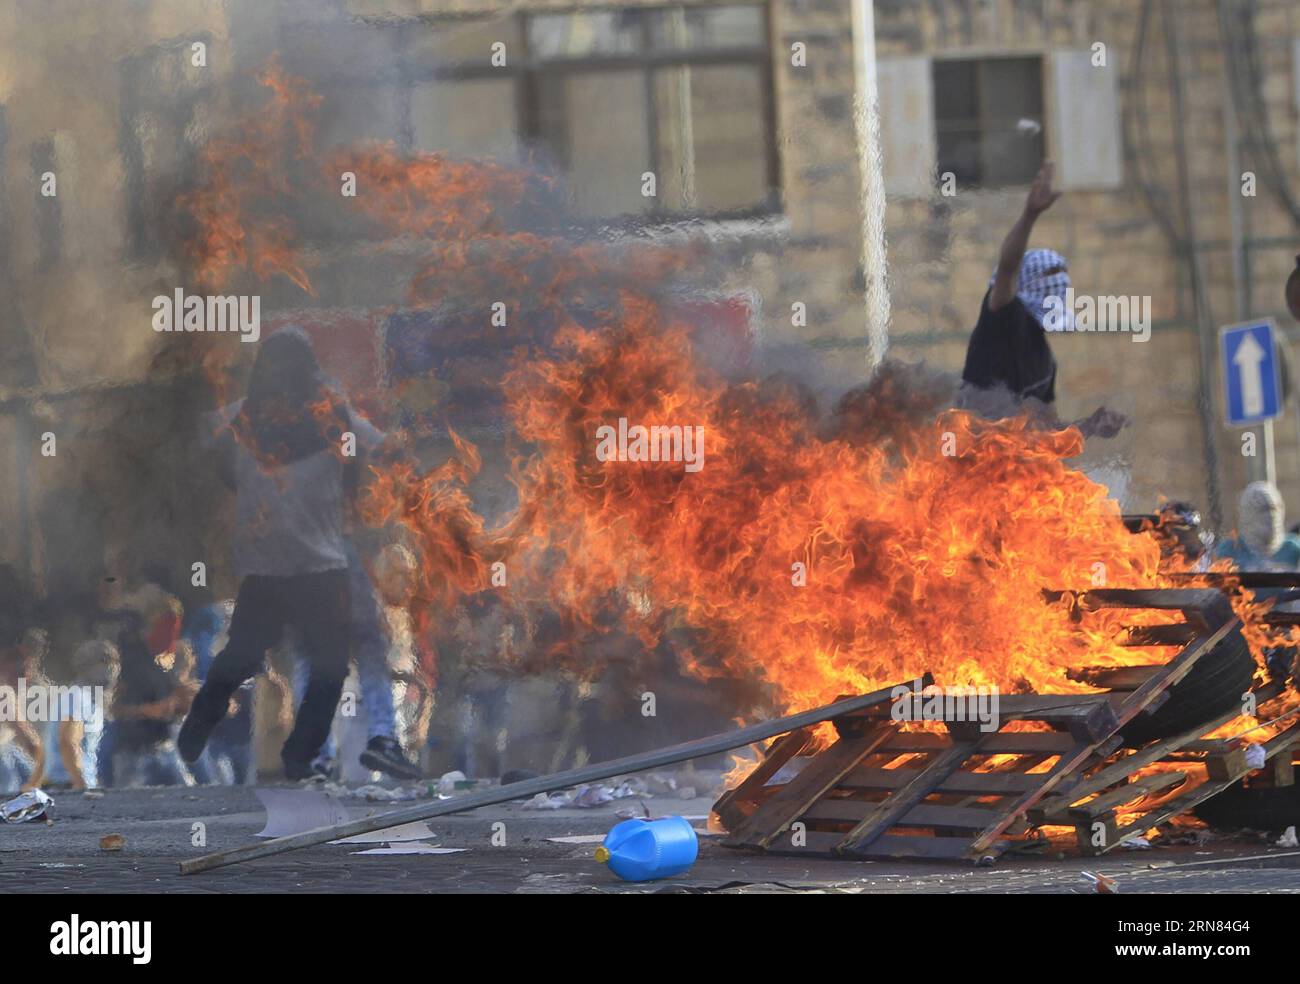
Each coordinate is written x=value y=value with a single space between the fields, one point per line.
x=1044 y=274
x=1262 y=518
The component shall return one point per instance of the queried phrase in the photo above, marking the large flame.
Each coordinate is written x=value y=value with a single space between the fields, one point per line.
x=801 y=554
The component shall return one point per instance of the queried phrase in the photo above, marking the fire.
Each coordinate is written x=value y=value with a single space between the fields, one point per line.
x=818 y=558
x=242 y=170
x=822 y=566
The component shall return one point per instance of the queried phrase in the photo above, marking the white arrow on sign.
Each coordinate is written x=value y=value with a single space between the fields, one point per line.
x=1249 y=356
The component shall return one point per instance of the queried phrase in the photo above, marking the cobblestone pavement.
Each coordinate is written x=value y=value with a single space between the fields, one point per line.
x=158 y=826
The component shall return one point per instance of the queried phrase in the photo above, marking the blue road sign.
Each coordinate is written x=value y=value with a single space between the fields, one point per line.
x=1248 y=358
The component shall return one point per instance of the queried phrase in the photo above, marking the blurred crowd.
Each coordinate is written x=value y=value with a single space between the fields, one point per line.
x=144 y=657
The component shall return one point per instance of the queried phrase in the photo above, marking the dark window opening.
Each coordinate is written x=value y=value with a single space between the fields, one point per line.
x=988 y=116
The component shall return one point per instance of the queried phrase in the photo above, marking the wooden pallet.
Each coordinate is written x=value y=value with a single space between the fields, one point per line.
x=880 y=791
x=1110 y=804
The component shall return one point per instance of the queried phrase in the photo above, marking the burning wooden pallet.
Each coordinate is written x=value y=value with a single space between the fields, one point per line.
x=1119 y=799
x=879 y=791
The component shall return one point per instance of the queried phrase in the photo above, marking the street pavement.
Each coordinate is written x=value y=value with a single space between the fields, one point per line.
x=507 y=849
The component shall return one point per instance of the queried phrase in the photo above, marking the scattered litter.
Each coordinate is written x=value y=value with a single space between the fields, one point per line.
x=31 y=805
x=93 y=794
x=1135 y=844
x=411 y=847
x=1288 y=839
x=416 y=830
x=586 y=797
x=447 y=782
x=1195 y=838
x=1101 y=884
x=112 y=842
x=381 y=794
x=1255 y=757
x=294 y=811
x=57 y=864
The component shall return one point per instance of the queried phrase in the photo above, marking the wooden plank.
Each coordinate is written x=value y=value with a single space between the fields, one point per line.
x=1113 y=677
x=818 y=777
x=782 y=751
x=1182 y=804
x=858 y=723
x=1247 y=579
x=927 y=780
x=1087 y=716
x=974 y=783
x=998 y=743
x=1064 y=772
x=1178 y=634
x=1125 y=767
x=1281 y=771
x=921 y=815
x=528 y=788
x=1162 y=599
x=1229 y=764
x=1027 y=704
x=1153 y=785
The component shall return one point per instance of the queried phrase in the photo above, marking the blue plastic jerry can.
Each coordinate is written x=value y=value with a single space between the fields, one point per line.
x=642 y=850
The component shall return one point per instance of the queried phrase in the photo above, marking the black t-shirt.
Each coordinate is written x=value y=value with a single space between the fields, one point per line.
x=1009 y=348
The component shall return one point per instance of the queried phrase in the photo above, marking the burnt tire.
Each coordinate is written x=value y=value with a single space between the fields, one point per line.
x=1265 y=808
x=1213 y=686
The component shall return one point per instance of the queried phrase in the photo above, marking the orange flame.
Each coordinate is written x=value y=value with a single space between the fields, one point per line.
x=818 y=564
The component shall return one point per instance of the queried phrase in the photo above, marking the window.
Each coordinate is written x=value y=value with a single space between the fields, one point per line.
x=166 y=104
x=988 y=116
x=606 y=95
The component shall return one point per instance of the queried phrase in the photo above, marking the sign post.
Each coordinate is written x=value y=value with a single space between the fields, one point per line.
x=1252 y=382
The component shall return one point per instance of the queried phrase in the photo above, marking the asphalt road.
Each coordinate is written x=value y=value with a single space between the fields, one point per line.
x=508 y=849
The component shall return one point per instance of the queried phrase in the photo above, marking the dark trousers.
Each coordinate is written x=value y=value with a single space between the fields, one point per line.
x=316 y=605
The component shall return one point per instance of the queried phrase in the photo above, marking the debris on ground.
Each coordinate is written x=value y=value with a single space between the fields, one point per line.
x=588 y=796
x=294 y=811
x=1288 y=838
x=1255 y=756
x=31 y=805
x=382 y=794
x=411 y=847
x=1101 y=884
x=646 y=850
x=416 y=830
x=448 y=783
x=112 y=842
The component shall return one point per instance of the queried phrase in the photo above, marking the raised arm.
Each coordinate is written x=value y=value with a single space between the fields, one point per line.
x=1040 y=199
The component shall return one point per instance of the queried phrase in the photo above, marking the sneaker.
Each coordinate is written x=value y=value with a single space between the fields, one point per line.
x=314 y=771
x=384 y=754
